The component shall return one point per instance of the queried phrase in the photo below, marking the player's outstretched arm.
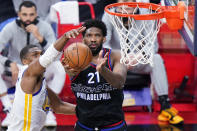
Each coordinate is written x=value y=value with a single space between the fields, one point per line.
x=37 y=67
x=58 y=105
x=117 y=77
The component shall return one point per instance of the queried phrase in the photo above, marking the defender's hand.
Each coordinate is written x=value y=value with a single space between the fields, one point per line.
x=74 y=32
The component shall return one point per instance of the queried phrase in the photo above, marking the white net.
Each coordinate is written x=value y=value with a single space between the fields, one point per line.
x=137 y=37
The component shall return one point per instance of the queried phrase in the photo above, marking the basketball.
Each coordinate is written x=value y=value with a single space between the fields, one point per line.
x=78 y=55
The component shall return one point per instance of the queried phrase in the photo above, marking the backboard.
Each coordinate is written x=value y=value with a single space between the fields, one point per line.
x=189 y=30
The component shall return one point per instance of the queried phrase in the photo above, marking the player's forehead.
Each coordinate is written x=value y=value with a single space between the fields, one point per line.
x=27 y=10
x=93 y=30
x=34 y=49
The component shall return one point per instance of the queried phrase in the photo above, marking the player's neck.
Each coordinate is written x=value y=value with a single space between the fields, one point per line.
x=94 y=59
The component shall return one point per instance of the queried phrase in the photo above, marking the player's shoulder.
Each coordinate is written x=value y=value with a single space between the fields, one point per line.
x=22 y=69
x=114 y=53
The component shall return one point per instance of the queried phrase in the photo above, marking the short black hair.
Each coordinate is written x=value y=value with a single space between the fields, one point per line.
x=95 y=23
x=27 y=4
x=25 y=51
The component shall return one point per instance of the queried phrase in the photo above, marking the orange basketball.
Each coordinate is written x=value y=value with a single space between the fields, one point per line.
x=78 y=55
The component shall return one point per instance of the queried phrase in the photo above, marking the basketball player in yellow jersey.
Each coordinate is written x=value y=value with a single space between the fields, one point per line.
x=32 y=97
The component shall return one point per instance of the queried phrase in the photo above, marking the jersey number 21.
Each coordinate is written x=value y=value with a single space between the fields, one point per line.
x=92 y=77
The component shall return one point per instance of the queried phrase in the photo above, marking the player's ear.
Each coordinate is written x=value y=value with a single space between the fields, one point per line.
x=18 y=13
x=104 y=39
x=25 y=61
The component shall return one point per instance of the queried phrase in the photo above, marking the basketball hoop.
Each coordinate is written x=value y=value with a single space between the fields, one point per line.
x=138 y=24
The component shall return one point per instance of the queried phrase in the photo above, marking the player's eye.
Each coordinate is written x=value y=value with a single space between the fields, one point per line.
x=24 y=14
x=97 y=35
x=32 y=14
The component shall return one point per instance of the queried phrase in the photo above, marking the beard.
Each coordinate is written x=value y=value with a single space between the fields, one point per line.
x=26 y=23
x=96 y=52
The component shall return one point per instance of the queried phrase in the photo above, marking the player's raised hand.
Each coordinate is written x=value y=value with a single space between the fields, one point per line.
x=101 y=61
x=74 y=32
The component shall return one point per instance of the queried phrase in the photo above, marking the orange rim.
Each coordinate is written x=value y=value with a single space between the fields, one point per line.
x=158 y=15
x=173 y=14
x=161 y=11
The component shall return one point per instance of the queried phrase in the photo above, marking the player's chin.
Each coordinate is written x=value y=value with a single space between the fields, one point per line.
x=93 y=48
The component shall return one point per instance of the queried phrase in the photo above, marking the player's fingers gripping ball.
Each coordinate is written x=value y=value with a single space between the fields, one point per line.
x=77 y=56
